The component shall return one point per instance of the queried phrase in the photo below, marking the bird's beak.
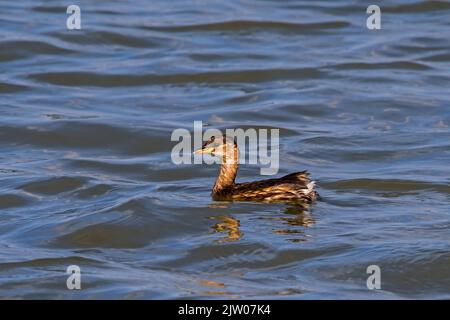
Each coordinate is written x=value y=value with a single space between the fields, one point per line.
x=204 y=151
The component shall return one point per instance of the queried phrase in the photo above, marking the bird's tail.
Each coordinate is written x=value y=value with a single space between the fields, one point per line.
x=311 y=186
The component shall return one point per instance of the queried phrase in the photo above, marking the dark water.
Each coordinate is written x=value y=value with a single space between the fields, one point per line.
x=85 y=169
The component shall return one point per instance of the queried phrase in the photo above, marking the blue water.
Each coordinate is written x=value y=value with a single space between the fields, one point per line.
x=86 y=174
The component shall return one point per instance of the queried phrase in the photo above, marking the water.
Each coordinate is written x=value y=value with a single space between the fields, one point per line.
x=85 y=169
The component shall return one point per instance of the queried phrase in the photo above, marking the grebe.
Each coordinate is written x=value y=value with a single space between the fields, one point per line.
x=295 y=187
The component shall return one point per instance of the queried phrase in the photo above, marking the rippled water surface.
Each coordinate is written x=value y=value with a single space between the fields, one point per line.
x=87 y=179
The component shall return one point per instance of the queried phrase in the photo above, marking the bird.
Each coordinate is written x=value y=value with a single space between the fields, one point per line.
x=295 y=187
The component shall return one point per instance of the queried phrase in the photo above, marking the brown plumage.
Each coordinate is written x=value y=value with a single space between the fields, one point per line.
x=294 y=187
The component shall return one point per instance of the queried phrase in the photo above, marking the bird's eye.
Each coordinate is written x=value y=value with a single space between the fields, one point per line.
x=211 y=140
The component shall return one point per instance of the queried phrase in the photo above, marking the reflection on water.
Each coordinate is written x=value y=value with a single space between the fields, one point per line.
x=300 y=216
x=297 y=216
x=230 y=226
x=86 y=176
x=216 y=288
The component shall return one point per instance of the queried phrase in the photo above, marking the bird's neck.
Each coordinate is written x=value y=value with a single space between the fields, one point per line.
x=227 y=173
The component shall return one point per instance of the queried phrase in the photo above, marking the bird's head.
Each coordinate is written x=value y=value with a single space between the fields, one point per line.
x=220 y=146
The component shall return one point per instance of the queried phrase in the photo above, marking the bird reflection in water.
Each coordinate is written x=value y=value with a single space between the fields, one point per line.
x=296 y=217
x=299 y=218
x=230 y=226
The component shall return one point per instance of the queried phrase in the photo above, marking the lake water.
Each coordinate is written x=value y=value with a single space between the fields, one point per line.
x=85 y=162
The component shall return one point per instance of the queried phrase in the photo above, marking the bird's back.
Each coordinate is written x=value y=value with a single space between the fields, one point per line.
x=295 y=187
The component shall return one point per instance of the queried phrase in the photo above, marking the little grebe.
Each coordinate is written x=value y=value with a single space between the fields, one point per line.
x=295 y=187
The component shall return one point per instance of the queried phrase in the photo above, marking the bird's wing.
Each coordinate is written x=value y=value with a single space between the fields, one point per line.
x=294 y=185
